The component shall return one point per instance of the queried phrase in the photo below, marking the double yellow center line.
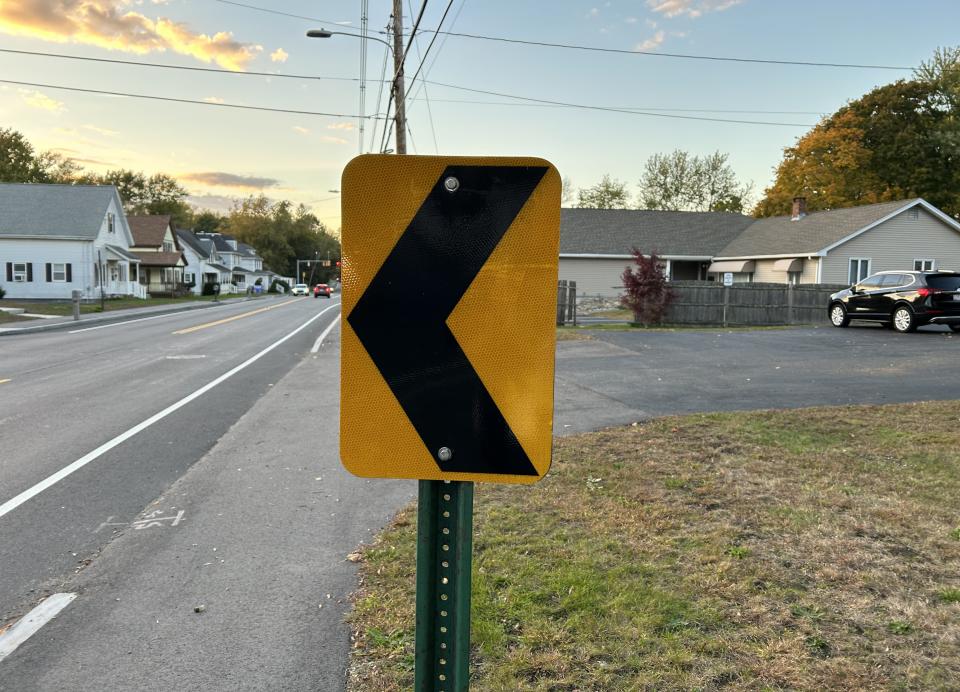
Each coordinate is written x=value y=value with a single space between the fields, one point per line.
x=198 y=327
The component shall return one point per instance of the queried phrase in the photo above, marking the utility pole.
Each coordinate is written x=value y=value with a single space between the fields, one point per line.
x=398 y=95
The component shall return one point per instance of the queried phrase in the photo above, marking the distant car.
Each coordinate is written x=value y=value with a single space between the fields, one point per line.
x=903 y=300
x=300 y=290
x=321 y=291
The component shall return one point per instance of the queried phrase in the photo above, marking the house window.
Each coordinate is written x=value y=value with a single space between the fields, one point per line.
x=110 y=222
x=167 y=246
x=19 y=271
x=859 y=269
x=924 y=265
x=913 y=214
x=123 y=272
x=59 y=272
x=187 y=277
x=793 y=278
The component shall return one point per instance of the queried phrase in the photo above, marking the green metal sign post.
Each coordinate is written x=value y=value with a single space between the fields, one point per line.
x=444 y=552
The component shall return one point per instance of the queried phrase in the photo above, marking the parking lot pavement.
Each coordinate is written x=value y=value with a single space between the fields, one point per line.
x=619 y=377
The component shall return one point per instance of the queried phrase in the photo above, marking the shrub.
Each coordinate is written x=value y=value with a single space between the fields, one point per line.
x=277 y=284
x=647 y=293
x=207 y=290
x=2 y=292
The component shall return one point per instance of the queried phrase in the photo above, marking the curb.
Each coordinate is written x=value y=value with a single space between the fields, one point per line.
x=117 y=316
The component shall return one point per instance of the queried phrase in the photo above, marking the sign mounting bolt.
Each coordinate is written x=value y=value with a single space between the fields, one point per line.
x=451 y=184
x=445 y=454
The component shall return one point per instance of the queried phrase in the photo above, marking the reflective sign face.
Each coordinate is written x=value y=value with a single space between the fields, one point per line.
x=449 y=303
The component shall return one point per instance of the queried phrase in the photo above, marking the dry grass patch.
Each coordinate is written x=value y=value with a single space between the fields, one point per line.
x=795 y=550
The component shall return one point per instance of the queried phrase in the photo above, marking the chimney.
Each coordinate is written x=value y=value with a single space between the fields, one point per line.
x=799 y=208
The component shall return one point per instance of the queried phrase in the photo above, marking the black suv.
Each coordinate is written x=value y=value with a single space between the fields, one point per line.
x=903 y=300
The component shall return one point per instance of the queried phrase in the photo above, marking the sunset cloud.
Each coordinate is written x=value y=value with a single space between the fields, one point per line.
x=36 y=99
x=301 y=130
x=221 y=179
x=342 y=126
x=279 y=55
x=213 y=99
x=653 y=42
x=690 y=8
x=334 y=140
x=108 y=24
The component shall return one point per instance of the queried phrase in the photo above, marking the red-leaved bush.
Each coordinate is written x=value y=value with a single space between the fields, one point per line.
x=647 y=293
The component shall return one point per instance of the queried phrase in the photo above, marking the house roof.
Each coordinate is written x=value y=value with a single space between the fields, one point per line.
x=159 y=259
x=122 y=253
x=190 y=240
x=218 y=267
x=246 y=250
x=149 y=231
x=810 y=235
x=670 y=233
x=70 y=211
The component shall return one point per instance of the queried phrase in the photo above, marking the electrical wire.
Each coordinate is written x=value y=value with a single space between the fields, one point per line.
x=179 y=100
x=140 y=63
x=621 y=51
x=436 y=55
x=383 y=73
x=433 y=129
x=618 y=110
x=625 y=108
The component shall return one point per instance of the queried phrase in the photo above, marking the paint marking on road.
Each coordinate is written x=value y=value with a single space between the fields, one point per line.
x=55 y=478
x=4 y=381
x=198 y=327
x=30 y=623
x=186 y=357
x=319 y=342
x=142 y=319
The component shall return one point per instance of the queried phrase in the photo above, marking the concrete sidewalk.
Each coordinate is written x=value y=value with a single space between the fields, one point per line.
x=255 y=536
x=93 y=319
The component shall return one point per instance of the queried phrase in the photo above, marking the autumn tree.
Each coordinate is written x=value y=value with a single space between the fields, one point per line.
x=647 y=294
x=899 y=140
x=21 y=163
x=680 y=181
x=609 y=193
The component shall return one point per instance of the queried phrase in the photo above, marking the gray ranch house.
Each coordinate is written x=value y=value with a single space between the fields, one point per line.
x=842 y=246
x=55 y=239
x=595 y=244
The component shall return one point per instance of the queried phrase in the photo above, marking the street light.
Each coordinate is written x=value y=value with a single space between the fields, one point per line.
x=397 y=83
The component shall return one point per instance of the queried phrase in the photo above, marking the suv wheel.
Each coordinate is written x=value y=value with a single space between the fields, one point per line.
x=955 y=327
x=903 y=320
x=838 y=316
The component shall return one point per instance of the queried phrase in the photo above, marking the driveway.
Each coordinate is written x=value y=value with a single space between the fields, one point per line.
x=619 y=377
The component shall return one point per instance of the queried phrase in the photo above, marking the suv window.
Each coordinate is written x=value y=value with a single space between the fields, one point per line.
x=948 y=282
x=871 y=282
x=894 y=280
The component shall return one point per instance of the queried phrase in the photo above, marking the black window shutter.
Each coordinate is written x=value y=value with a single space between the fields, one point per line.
x=69 y=273
x=49 y=272
x=29 y=271
x=9 y=271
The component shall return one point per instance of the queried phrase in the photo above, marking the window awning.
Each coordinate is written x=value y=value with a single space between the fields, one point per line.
x=735 y=266
x=788 y=265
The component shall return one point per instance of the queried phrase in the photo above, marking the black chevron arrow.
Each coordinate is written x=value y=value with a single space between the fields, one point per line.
x=401 y=318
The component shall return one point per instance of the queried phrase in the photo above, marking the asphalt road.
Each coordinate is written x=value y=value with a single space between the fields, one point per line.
x=623 y=376
x=66 y=393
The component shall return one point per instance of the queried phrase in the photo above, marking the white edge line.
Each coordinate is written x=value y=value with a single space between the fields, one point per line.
x=144 y=319
x=55 y=478
x=30 y=623
x=319 y=342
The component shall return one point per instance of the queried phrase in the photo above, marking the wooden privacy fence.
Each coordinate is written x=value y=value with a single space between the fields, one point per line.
x=757 y=304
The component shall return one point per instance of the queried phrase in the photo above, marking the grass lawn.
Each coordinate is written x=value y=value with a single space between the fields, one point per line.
x=7 y=318
x=814 y=549
x=66 y=308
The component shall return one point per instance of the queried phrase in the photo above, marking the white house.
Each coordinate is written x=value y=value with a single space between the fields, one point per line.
x=55 y=239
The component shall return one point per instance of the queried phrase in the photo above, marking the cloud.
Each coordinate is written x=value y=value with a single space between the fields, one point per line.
x=690 y=8
x=630 y=20
x=653 y=42
x=219 y=203
x=334 y=140
x=214 y=99
x=36 y=99
x=301 y=130
x=342 y=126
x=101 y=130
x=221 y=179
x=279 y=55
x=109 y=24
x=593 y=13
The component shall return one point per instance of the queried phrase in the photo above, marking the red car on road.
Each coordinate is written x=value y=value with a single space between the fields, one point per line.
x=321 y=290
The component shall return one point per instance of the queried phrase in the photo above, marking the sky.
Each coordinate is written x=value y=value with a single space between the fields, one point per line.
x=222 y=154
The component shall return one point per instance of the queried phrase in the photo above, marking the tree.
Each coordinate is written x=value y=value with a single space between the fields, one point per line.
x=20 y=163
x=899 y=140
x=609 y=193
x=567 y=193
x=207 y=221
x=646 y=291
x=679 y=181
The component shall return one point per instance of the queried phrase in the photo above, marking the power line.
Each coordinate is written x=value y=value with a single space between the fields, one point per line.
x=190 y=101
x=433 y=130
x=618 y=110
x=284 y=14
x=140 y=63
x=625 y=108
x=436 y=56
x=684 y=56
x=621 y=51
